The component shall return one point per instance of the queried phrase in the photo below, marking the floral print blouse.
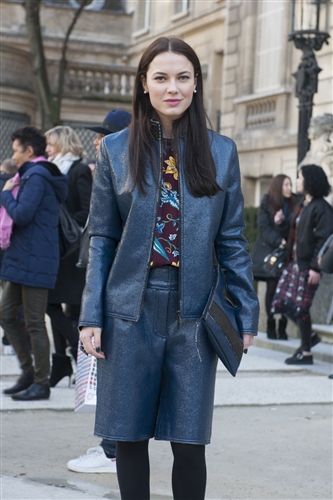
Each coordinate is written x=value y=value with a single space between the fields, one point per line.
x=166 y=241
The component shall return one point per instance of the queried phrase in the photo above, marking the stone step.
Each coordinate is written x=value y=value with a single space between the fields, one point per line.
x=322 y=351
x=325 y=331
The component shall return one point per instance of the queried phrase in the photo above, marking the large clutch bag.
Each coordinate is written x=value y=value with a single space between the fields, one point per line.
x=220 y=322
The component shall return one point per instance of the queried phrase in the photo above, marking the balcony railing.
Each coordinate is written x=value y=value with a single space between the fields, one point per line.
x=98 y=80
x=261 y=113
x=82 y=80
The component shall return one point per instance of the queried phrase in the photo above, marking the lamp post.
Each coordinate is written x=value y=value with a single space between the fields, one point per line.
x=309 y=31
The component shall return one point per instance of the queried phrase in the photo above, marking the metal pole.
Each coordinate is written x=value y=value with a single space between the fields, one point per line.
x=306 y=86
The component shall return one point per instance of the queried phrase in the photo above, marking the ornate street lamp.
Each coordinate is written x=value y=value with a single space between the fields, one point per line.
x=309 y=31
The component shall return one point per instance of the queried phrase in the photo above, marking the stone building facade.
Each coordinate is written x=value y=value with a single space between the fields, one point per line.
x=242 y=44
x=259 y=107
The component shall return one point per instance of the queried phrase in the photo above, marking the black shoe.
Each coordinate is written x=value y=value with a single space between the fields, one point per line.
x=23 y=383
x=271 y=331
x=330 y=376
x=35 y=391
x=61 y=367
x=315 y=339
x=300 y=359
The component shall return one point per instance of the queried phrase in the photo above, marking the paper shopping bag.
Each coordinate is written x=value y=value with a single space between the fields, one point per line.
x=85 y=383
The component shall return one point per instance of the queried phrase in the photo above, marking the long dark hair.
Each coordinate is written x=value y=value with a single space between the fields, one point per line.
x=275 y=197
x=199 y=166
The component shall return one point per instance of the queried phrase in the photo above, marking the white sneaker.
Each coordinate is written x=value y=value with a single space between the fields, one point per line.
x=94 y=460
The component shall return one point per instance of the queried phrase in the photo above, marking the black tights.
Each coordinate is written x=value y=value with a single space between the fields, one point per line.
x=305 y=327
x=188 y=472
x=271 y=285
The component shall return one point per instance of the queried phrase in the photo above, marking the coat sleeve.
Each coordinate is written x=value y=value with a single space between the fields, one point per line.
x=23 y=209
x=84 y=186
x=231 y=252
x=322 y=228
x=105 y=229
x=268 y=230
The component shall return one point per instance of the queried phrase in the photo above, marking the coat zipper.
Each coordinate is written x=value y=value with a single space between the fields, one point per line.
x=180 y=235
x=156 y=209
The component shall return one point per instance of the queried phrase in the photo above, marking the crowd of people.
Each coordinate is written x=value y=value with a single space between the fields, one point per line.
x=162 y=177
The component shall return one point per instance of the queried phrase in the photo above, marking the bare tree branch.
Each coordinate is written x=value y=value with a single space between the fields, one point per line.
x=63 y=60
x=50 y=108
x=47 y=105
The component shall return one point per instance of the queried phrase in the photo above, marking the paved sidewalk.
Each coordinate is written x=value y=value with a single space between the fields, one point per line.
x=272 y=437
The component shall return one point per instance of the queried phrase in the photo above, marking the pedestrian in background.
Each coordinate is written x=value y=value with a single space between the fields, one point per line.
x=8 y=169
x=102 y=458
x=311 y=226
x=65 y=149
x=30 y=264
x=273 y=223
x=166 y=199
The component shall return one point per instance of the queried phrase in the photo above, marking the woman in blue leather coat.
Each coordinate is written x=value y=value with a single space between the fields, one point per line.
x=166 y=199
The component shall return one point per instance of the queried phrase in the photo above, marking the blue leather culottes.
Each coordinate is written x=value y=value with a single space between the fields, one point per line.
x=158 y=377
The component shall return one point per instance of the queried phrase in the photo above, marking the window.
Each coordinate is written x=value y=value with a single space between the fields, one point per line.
x=91 y=4
x=10 y=121
x=109 y=5
x=143 y=15
x=181 y=6
x=269 y=45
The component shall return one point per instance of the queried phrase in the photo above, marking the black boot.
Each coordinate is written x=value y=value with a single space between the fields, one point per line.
x=34 y=392
x=61 y=367
x=23 y=383
x=282 y=328
x=271 y=332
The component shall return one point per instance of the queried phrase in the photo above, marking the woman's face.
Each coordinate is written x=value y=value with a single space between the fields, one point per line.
x=170 y=83
x=286 y=188
x=300 y=182
x=51 y=148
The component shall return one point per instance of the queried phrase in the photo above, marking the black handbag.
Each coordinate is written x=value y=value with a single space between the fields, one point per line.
x=220 y=322
x=274 y=262
x=69 y=233
x=84 y=248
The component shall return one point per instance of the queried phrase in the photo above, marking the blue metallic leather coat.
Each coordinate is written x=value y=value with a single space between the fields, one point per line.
x=122 y=226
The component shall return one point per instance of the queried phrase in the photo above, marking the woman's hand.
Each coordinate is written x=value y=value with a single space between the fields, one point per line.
x=247 y=340
x=314 y=277
x=90 y=336
x=9 y=185
x=279 y=217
